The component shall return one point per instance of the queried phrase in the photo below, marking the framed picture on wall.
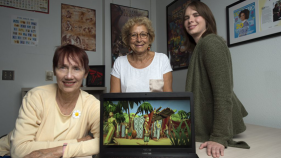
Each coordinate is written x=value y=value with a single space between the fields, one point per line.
x=40 y=6
x=179 y=57
x=252 y=20
x=96 y=76
x=119 y=16
x=78 y=27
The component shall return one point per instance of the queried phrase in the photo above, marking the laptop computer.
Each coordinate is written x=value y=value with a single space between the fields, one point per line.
x=147 y=125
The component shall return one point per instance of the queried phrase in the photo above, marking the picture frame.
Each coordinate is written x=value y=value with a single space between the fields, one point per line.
x=78 y=27
x=179 y=57
x=252 y=20
x=119 y=15
x=96 y=76
x=39 y=6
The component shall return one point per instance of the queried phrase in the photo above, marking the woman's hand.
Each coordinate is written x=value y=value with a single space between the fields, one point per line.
x=55 y=152
x=213 y=149
x=88 y=137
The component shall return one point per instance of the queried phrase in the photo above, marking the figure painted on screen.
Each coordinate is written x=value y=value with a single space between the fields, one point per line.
x=111 y=128
x=158 y=128
x=146 y=129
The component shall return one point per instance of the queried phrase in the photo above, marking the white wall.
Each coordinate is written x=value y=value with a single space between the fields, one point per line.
x=256 y=66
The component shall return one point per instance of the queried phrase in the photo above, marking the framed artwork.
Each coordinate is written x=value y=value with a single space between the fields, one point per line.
x=40 y=6
x=119 y=16
x=179 y=57
x=78 y=27
x=96 y=76
x=252 y=20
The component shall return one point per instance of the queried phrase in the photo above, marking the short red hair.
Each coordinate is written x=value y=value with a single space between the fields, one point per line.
x=71 y=51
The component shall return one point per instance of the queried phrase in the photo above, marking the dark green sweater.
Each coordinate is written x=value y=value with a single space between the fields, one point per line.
x=218 y=112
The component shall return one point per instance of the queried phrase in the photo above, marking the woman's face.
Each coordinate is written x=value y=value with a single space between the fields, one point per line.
x=139 y=39
x=69 y=76
x=242 y=16
x=194 y=24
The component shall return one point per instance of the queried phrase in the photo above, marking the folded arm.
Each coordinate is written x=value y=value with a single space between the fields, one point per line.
x=30 y=117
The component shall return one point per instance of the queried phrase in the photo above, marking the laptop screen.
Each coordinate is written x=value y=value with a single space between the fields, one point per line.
x=151 y=120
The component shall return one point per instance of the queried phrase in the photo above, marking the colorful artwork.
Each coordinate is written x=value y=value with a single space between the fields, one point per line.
x=41 y=6
x=78 y=27
x=25 y=31
x=179 y=57
x=149 y=122
x=252 y=20
x=119 y=16
x=96 y=76
x=245 y=20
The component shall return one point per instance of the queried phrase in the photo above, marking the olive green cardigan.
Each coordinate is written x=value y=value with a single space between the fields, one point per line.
x=218 y=112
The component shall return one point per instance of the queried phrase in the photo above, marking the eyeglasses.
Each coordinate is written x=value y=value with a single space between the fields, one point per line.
x=142 y=35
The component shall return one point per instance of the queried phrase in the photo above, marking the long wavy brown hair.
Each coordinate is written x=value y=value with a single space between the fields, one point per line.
x=211 y=27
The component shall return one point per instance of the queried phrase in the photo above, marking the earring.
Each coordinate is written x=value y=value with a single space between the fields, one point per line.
x=148 y=48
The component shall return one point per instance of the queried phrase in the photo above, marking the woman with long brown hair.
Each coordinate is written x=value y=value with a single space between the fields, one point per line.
x=219 y=113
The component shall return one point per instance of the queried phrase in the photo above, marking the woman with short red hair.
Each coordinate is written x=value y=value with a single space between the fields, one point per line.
x=54 y=120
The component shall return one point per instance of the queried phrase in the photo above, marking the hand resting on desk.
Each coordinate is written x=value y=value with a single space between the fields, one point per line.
x=213 y=149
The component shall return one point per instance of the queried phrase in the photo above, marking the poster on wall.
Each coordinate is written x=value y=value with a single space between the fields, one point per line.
x=270 y=9
x=24 y=31
x=252 y=20
x=96 y=76
x=78 y=27
x=119 y=16
x=245 y=20
x=179 y=57
x=41 y=6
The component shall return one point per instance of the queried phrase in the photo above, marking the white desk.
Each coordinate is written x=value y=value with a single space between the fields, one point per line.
x=265 y=142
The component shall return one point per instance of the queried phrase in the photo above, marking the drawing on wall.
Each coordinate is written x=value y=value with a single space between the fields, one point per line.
x=119 y=16
x=78 y=27
x=24 y=31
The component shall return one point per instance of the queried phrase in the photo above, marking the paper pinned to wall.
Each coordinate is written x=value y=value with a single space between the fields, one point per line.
x=24 y=31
